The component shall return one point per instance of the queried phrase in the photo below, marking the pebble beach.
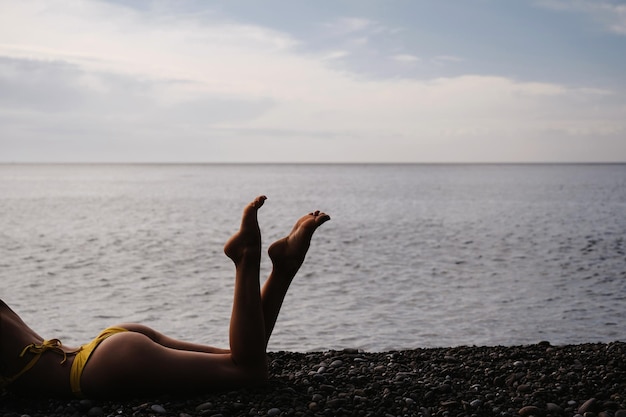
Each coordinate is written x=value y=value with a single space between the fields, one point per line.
x=587 y=380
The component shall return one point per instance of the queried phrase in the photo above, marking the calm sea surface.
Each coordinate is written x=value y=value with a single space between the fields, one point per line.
x=415 y=255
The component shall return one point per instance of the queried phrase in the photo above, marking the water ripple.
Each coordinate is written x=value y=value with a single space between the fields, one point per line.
x=414 y=255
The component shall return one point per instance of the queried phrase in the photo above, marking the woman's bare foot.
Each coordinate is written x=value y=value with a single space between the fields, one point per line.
x=287 y=254
x=247 y=240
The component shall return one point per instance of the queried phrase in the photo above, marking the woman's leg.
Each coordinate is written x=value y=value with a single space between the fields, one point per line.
x=170 y=342
x=134 y=363
x=247 y=328
x=287 y=256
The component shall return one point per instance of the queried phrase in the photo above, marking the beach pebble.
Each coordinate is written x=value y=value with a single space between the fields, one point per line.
x=476 y=403
x=328 y=388
x=530 y=410
x=204 y=406
x=554 y=408
x=85 y=404
x=334 y=403
x=589 y=405
x=318 y=377
x=95 y=412
x=482 y=381
x=157 y=408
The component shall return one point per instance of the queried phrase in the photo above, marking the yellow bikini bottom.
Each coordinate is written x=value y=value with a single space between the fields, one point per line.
x=82 y=356
x=54 y=345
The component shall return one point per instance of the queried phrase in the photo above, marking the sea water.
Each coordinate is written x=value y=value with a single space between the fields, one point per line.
x=414 y=256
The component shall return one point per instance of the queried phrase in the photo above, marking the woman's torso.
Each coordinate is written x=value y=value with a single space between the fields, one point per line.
x=48 y=376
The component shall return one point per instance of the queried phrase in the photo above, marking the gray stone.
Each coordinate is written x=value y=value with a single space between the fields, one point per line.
x=334 y=403
x=328 y=388
x=319 y=377
x=85 y=404
x=476 y=403
x=554 y=408
x=530 y=410
x=589 y=405
x=204 y=406
x=95 y=412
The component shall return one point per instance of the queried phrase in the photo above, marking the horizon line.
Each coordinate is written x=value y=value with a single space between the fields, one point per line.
x=312 y=163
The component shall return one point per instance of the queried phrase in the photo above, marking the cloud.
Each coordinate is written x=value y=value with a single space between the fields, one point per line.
x=406 y=58
x=158 y=85
x=335 y=55
x=120 y=40
x=446 y=59
x=357 y=31
x=350 y=25
x=610 y=14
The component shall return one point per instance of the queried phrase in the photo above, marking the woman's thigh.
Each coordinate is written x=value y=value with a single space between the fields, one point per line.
x=167 y=341
x=131 y=364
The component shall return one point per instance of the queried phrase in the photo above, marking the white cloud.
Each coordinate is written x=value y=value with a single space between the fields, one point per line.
x=406 y=58
x=348 y=25
x=358 y=30
x=192 y=89
x=446 y=59
x=612 y=15
x=119 y=40
x=335 y=55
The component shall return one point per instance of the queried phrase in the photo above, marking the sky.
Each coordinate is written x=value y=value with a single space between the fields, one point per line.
x=313 y=81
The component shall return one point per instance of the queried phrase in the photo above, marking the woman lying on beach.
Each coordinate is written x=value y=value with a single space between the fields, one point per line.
x=134 y=360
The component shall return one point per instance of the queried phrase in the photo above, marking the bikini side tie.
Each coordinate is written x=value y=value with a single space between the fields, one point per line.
x=53 y=345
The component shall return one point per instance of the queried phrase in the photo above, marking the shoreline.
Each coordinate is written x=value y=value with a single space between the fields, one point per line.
x=586 y=379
